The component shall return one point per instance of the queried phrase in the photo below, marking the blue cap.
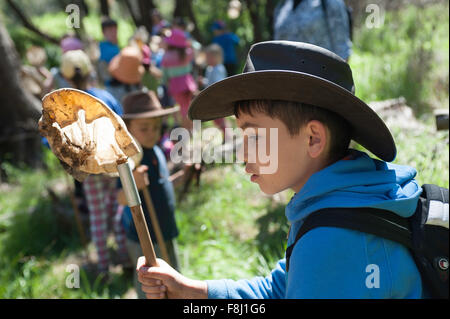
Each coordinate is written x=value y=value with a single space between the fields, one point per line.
x=218 y=25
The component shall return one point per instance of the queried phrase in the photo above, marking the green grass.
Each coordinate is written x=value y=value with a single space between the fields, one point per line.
x=408 y=56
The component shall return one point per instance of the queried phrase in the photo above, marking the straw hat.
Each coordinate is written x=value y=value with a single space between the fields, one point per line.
x=127 y=66
x=75 y=59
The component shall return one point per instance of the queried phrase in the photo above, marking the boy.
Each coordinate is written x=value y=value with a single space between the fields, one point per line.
x=215 y=71
x=307 y=94
x=142 y=115
x=108 y=49
x=228 y=42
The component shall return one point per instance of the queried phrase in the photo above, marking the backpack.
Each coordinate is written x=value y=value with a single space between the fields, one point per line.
x=349 y=11
x=425 y=233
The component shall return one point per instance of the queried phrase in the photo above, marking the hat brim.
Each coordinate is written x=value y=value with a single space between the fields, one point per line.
x=369 y=130
x=151 y=114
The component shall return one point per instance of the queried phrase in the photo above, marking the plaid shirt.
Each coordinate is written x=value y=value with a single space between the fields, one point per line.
x=101 y=192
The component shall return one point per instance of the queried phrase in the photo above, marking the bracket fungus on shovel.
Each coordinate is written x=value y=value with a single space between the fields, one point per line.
x=84 y=133
x=89 y=138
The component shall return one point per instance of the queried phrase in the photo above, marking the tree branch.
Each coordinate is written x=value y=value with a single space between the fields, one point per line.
x=136 y=19
x=27 y=23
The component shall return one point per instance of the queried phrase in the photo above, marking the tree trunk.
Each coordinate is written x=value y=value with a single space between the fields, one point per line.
x=253 y=8
x=136 y=17
x=270 y=8
x=104 y=8
x=19 y=110
x=183 y=9
x=146 y=7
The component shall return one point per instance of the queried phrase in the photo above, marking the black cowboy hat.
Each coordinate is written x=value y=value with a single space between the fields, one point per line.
x=299 y=72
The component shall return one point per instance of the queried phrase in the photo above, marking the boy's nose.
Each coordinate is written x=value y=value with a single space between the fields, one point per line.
x=242 y=151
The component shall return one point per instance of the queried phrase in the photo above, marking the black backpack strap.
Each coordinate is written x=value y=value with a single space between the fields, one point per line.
x=374 y=221
x=434 y=192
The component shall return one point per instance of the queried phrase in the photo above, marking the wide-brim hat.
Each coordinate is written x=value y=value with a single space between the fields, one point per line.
x=75 y=59
x=127 y=66
x=140 y=104
x=299 y=72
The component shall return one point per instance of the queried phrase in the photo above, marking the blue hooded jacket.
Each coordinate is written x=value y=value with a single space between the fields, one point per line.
x=330 y=262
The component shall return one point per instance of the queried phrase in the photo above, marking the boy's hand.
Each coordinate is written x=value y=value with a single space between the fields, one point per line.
x=141 y=177
x=165 y=282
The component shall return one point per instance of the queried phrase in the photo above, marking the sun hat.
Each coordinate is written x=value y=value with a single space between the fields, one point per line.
x=72 y=60
x=127 y=66
x=142 y=104
x=177 y=39
x=299 y=72
x=71 y=43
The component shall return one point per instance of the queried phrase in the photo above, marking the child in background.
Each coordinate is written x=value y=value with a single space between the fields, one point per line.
x=108 y=49
x=99 y=189
x=215 y=71
x=68 y=43
x=126 y=72
x=143 y=116
x=228 y=42
x=177 y=67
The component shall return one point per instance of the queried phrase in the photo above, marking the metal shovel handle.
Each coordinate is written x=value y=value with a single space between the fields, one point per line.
x=134 y=202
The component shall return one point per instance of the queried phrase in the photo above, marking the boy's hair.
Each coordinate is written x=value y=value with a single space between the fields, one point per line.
x=108 y=22
x=216 y=51
x=295 y=115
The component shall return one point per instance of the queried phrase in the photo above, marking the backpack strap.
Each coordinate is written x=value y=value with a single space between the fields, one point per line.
x=374 y=221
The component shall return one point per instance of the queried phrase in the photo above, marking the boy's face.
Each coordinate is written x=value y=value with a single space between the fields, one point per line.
x=147 y=131
x=110 y=34
x=295 y=157
x=211 y=59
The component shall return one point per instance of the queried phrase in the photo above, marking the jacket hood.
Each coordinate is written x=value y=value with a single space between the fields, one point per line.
x=357 y=181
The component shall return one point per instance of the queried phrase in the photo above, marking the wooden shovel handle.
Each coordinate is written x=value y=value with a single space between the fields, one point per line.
x=155 y=224
x=144 y=236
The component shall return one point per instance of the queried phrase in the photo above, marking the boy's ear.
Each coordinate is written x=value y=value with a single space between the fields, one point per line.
x=318 y=139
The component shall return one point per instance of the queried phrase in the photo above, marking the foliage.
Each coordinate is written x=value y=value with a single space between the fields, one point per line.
x=407 y=56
